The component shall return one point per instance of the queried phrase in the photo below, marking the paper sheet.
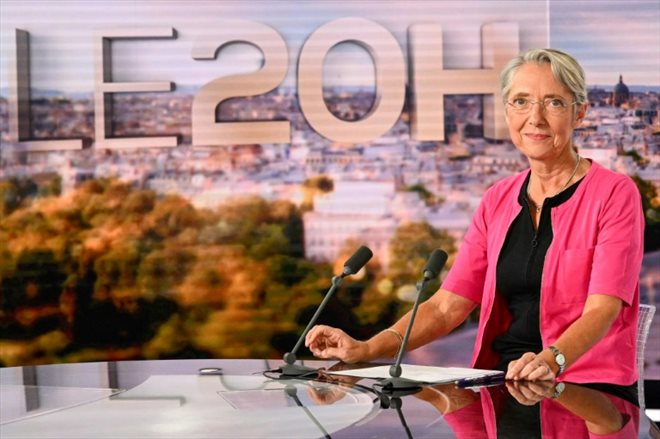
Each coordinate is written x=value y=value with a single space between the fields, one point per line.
x=423 y=374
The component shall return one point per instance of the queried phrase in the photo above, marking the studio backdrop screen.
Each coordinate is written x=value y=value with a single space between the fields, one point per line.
x=181 y=179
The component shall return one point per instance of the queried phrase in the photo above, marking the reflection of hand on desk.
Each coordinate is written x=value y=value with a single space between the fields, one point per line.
x=325 y=394
x=594 y=407
x=531 y=392
x=342 y=380
x=331 y=389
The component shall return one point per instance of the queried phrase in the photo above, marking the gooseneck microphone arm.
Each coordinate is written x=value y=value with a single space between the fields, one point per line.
x=432 y=269
x=352 y=266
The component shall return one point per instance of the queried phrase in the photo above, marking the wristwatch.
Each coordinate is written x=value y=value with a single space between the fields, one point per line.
x=558 y=389
x=559 y=359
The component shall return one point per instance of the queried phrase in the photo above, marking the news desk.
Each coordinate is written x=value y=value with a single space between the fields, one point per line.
x=233 y=399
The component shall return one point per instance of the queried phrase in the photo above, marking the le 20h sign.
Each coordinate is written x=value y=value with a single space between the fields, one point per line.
x=424 y=70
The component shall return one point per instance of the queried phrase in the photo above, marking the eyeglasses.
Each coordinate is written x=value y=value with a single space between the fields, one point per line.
x=554 y=106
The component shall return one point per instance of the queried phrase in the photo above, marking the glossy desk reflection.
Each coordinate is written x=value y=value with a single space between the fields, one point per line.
x=169 y=399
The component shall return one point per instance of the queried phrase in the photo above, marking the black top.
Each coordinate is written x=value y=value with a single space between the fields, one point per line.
x=519 y=271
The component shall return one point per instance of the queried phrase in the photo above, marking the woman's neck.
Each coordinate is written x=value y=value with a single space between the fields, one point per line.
x=551 y=177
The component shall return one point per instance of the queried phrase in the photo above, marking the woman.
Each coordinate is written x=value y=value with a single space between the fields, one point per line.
x=553 y=254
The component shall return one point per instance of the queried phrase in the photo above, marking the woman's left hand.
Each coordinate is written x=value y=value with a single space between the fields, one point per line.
x=530 y=367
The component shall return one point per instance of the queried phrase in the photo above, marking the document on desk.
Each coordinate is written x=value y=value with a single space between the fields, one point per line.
x=426 y=374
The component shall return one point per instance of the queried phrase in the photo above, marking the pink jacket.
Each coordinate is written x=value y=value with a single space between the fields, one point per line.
x=596 y=249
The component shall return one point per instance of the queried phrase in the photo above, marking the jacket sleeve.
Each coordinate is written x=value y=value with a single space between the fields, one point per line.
x=467 y=275
x=619 y=245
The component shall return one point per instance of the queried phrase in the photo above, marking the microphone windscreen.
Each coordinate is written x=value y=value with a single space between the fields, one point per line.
x=358 y=260
x=435 y=263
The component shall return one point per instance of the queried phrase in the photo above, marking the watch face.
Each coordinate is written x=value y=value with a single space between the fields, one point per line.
x=560 y=359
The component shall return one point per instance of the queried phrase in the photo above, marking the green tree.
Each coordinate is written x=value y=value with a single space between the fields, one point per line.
x=36 y=280
x=139 y=202
x=321 y=184
x=53 y=188
x=651 y=207
x=163 y=269
x=264 y=228
x=409 y=250
x=650 y=199
x=172 y=215
x=118 y=267
x=641 y=161
x=429 y=198
x=268 y=241
x=14 y=193
x=290 y=217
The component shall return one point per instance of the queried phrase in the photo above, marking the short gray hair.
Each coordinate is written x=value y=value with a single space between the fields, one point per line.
x=564 y=68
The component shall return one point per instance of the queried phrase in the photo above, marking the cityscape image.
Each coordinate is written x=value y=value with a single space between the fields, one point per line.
x=126 y=234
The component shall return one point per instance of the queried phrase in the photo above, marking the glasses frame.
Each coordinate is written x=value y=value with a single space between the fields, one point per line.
x=542 y=104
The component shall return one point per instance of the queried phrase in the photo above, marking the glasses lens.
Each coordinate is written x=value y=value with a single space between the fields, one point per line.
x=554 y=105
x=521 y=105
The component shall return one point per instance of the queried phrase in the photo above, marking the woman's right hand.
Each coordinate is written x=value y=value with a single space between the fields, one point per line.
x=331 y=343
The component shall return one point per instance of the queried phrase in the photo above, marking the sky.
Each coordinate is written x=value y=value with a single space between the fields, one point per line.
x=610 y=38
x=601 y=34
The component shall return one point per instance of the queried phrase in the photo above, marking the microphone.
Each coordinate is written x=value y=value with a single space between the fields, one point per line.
x=357 y=261
x=434 y=265
x=351 y=266
x=432 y=269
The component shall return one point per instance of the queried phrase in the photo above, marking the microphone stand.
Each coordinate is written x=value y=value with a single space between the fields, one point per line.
x=395 y=382
x=290 y=369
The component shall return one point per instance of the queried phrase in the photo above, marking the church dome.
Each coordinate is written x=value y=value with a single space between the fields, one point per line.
x=621 y=93
x=621 y=87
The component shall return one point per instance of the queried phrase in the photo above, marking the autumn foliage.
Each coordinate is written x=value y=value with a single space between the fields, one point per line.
x=110 y=271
